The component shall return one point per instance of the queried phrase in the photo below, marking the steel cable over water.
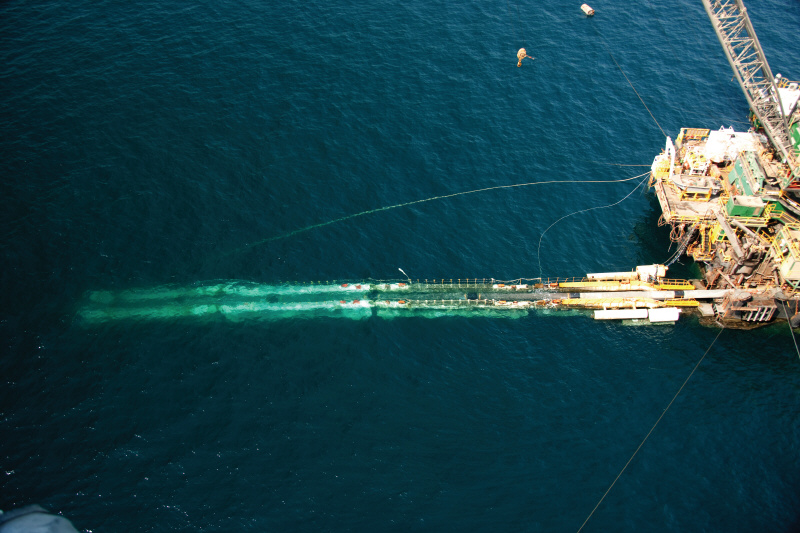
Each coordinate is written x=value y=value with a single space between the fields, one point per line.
x=414 y=202
x=651 y=431
x=538 y=248
x=615 y=164
x=791 y=331
x=608 y=49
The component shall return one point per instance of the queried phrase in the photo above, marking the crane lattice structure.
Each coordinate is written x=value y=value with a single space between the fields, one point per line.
x=738 y=39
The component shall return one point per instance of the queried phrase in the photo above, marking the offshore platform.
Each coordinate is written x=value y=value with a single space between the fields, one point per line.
x=732 y=200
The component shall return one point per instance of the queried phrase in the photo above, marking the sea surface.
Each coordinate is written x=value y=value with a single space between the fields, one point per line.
x=149 y=143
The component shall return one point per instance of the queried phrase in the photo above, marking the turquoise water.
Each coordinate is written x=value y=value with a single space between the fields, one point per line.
x=148 y=143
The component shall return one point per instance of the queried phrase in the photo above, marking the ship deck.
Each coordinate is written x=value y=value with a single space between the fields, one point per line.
x=677 y=208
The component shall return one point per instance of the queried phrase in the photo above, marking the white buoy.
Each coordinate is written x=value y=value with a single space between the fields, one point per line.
x=588 y=10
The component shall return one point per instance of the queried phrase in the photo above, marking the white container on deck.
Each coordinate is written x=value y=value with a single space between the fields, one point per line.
x=619 y=314
x=643 y=273
x=647 y=272
x=664 y=314
x=611 y=276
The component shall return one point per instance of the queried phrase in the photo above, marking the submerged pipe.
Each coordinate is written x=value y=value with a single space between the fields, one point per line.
x=234 y=300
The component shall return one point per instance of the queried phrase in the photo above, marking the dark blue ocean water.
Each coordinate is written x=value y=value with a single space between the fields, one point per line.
x=148 y=143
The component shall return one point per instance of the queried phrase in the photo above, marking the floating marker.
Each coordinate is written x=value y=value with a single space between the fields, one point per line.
x=588 y=10
x=522 y=54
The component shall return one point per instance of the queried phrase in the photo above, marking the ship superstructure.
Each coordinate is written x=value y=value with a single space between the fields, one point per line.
x=721 y=192
x=732 y=198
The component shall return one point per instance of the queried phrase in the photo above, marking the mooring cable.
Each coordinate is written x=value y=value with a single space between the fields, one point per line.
x=637 y=93
x=651 y=431
x=538 y=248
x=791 y=331
x=608 y=49
x=615 y=164
x=515 y=22
x=413 y=202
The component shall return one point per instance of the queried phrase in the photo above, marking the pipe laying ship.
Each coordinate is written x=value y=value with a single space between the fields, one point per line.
x=732 y=198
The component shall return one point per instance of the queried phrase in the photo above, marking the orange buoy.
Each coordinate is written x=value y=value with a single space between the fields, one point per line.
x=344 y=285
x=401 y=284
x=342 y=302
x=401 y=302
x=522 y=54
x=358 y=286
x=356 y=301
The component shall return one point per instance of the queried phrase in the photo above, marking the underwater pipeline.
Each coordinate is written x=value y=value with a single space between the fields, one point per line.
x=239 y=300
